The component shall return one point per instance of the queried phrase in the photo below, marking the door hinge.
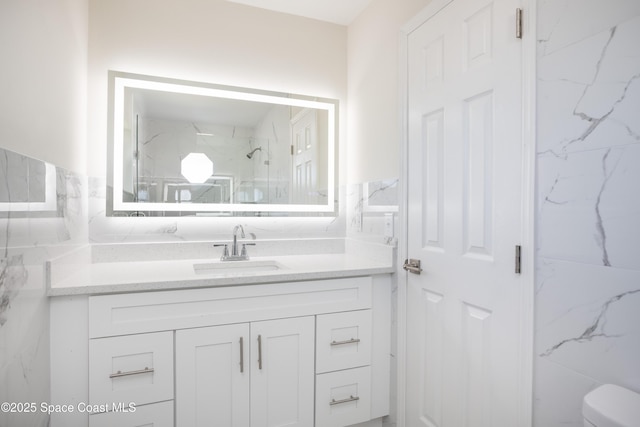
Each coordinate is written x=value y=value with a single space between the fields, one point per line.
x=412 y=266
x=292 y=150
x=518 y=23
x=518 y=259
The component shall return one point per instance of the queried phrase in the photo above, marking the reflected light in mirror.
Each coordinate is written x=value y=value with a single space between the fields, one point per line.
x=121 y=83
x=196 y=167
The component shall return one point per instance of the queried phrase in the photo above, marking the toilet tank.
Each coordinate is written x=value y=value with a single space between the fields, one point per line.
x=611 y=406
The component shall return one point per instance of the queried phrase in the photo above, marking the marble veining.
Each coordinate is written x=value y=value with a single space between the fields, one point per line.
x=597 y=328
x=42 y=215
x=562 y=23
x=594 y=122
x=601 y=236
x=367 y=205
x=601 y=93
x=13 y=277
x=586 y=335
x=588 y=212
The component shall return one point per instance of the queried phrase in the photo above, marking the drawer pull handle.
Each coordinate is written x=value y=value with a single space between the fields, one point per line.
x=259 y=351
x=351 y=341
x=126 y=374
x=349 y=399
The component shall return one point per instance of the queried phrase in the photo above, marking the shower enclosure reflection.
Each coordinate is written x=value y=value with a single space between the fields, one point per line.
x=269 y=152
x=29 y=187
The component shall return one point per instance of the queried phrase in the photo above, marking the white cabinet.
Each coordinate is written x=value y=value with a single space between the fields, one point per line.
x=282 y=372
x=343 y=397
x=343 y=384
x=305 y=354
x=259 y=374
x=343 y=340
x=212 y=376
x=131 y=369
x=126 y=374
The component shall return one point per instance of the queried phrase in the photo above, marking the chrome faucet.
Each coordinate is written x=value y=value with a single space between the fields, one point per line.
x=236 y=255
x=234 y=247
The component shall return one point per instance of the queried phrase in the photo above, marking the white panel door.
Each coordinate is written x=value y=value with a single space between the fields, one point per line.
x=464 y=215
x=282 y=372
x=212 y=376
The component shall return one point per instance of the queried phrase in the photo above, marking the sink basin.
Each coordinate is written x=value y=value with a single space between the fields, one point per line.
x=236 y=267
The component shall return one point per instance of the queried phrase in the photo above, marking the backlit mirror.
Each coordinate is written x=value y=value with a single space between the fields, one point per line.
x=190 y=148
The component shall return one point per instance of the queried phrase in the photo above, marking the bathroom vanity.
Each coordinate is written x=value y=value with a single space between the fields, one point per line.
x=300 y=340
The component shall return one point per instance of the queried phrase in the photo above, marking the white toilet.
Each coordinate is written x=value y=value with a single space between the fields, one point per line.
x=611 y=406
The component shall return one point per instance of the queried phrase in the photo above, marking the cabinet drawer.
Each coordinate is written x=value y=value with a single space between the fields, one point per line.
x=344 y=397
x=343 y=340
x=155 y=415
x=136 y=313
x=131 y=369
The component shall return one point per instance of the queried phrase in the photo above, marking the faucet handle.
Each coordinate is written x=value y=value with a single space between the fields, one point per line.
x=243 y=252
x=225 y=251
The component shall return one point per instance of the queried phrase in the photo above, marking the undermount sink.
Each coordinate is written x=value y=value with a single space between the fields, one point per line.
x=237 y=267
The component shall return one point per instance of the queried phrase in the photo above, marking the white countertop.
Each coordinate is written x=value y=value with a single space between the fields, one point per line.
x=91 y=278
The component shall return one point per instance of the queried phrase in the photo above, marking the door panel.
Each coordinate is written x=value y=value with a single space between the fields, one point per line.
x=432 y=347
x=212 y=376
x=282 y=372
x=433 y=209
x=478 y=174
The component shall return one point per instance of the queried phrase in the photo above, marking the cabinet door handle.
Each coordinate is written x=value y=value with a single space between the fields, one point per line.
x=259 y=351
x=127 y=373
x=351 y=341
x=241 y=354
x=347 y=400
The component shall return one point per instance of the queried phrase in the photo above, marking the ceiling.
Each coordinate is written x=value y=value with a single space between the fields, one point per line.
x=341 y=12
x=189 y=108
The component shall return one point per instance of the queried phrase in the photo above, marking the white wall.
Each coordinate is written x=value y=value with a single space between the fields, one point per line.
x=211 y=41
x=373 y=127
x=587 y=326
x=43 y=49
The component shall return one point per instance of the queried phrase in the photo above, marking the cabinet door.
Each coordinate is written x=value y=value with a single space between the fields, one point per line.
x=212 y=376
x=282 y=372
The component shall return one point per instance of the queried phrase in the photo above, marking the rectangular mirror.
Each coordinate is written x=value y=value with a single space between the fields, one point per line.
x=190 y=148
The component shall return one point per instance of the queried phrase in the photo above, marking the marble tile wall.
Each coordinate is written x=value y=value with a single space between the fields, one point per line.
x=42 y=215
x=587 y=316
x=369 y=205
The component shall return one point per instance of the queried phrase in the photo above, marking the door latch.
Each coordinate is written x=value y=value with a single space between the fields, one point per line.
x=412 y=266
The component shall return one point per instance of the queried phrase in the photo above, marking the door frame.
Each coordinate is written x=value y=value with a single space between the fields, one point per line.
x=525 y=347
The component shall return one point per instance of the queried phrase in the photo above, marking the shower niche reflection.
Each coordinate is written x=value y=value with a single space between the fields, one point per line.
x=261 y=152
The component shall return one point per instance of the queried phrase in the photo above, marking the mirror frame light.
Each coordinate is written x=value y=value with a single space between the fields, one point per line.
x=120 y=81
